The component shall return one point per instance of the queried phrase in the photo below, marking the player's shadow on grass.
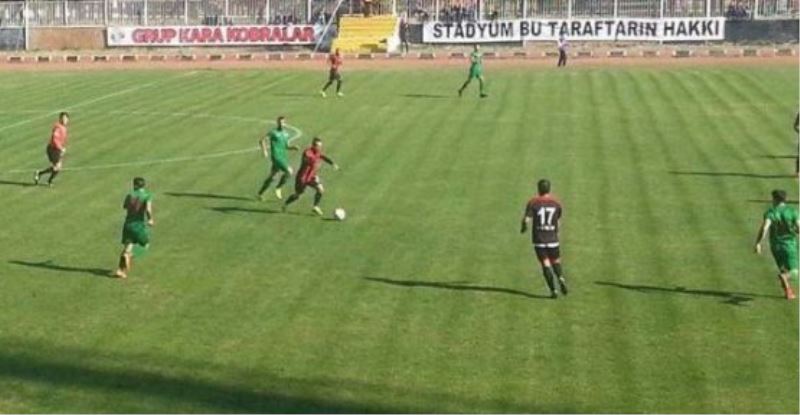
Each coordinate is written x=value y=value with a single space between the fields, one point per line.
x=143 y=383
x=13 y=183
x=731 y=174
x=294 y=94
x=206 y=196
x=237 y=209
x=777 y=157
x=49 y=265
x=453 y=285
x=727 y=297
x=430 y=96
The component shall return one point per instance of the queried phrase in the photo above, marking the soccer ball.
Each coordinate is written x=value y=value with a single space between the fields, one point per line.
x=339 y=214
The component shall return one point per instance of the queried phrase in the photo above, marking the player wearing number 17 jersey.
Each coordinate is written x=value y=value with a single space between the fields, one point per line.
x=543 y=214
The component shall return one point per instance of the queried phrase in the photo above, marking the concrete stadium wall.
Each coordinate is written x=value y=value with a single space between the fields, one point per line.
x=93 y=38
x=59 y=38
x=12 y=38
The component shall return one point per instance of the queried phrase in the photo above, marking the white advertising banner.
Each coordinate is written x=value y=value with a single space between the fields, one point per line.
x=212 y=35
x=668 y=29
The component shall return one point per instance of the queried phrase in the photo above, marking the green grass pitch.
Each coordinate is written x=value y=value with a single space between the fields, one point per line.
x=426 y=298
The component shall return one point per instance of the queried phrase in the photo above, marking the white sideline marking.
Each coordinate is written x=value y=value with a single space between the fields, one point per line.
x=93 y=100
x=298 y=134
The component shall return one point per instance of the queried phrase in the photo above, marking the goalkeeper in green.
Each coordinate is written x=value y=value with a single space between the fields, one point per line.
x=475 y=71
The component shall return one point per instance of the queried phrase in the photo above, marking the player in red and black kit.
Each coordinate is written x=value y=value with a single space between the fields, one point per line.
x=335 y=60
x=543 y=212
x=307 y=175
x=55 y=149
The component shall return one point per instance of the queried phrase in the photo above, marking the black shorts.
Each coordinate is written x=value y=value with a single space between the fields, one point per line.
x=551 y=253
x=53 y=154
x=300 y=185
x=334 y=75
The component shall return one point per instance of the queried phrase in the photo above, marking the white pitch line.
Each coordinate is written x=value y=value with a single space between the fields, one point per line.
x=94 y=100
x=299 y=133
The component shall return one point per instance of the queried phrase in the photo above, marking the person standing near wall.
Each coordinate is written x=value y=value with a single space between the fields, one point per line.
x=563 y=45
x=404 y=35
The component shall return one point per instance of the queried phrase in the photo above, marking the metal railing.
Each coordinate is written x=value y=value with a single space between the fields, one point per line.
x=12 y=14
x=225 y=12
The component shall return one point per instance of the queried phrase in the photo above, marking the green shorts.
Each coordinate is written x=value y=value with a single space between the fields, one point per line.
x=785 y=257
x=135 y=233
x=280 y=165
x=475 y=73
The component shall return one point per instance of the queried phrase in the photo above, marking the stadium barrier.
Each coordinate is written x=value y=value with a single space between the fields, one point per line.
x=90 y=24
x=65 y=38
x=675 y=52
x=104 y=13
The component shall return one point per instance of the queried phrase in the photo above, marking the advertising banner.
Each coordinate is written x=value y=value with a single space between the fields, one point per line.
x=668 y=29
x=213 y=35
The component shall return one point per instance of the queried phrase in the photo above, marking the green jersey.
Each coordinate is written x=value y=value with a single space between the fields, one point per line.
x=278 y=144
x=783 y=230
x=476 y=60
x=136 y=205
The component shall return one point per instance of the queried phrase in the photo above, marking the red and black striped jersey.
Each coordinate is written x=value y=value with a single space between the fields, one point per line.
x=545 y=213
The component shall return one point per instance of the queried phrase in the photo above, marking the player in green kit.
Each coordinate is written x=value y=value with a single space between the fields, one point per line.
x=278 y=146
x=139 y=207
x=475 y=71
x=782 y=223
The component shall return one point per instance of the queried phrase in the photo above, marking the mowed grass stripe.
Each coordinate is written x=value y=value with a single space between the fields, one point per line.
x=79 y=126
x=543 y=137
x=609 y=219
x=748 y=148
x=727 y=194
x=653 y=192
x=58 y=95
x=771 y=128
x=409 y=146
x=509 y=325
x=713 y=258
x=478 y=257
x=745 y=222
x=397 y=300
x=95 y=100
x=758 y=144
x=399 y=142
x=433 y=157
x=782 y=98
x=26 y=127
x=575 y=189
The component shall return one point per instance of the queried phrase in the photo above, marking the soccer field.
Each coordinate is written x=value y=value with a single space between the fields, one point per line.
x=427 y=298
